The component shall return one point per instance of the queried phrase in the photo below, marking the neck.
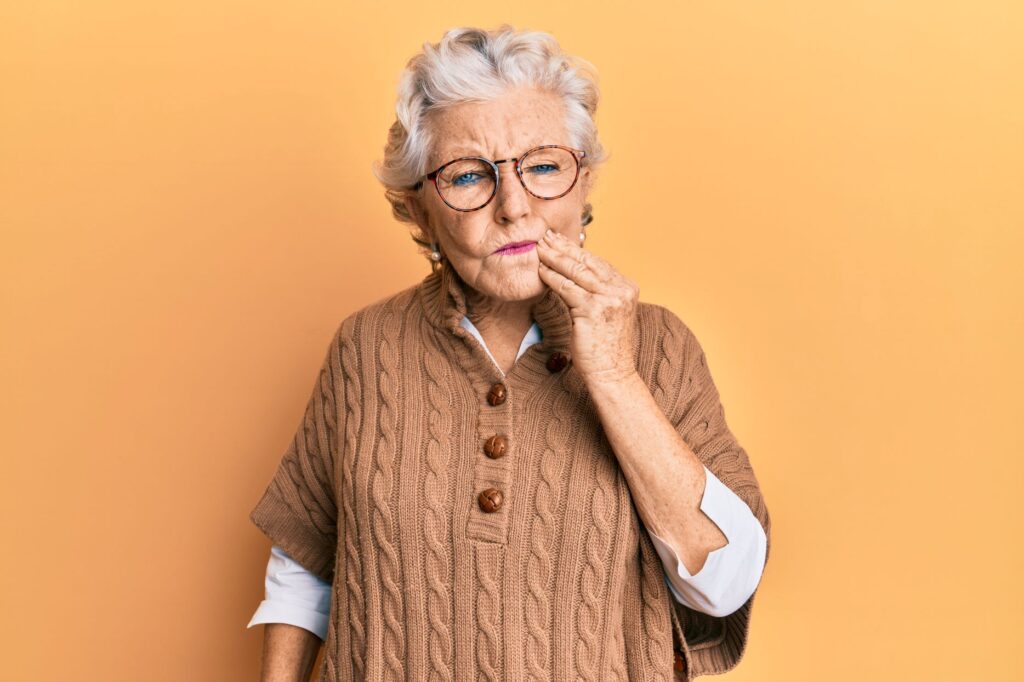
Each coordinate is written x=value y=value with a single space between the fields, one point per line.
x=443 y=296
x=487 y=313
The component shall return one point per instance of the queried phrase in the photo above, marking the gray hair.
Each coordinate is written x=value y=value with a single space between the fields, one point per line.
x=475 y=65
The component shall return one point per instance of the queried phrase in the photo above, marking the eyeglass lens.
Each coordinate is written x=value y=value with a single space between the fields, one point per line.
x=468 y=183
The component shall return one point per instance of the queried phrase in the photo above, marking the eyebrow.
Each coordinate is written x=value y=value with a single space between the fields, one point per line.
x=466 y=151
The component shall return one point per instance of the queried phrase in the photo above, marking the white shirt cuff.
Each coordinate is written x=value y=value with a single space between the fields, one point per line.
x=292 y=614
x=293 y=595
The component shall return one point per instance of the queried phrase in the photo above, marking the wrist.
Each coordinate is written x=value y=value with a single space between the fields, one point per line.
x=612 y=380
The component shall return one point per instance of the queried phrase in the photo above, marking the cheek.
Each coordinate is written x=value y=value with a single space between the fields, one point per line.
x=464 y=232
x=568 y=214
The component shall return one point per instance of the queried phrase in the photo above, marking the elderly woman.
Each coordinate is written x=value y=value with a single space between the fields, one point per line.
x=514 y=469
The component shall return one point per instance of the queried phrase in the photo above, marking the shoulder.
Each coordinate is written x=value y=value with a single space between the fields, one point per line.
x=665 y=329
x=669 y=356
x=368 y=323
x=369 y=331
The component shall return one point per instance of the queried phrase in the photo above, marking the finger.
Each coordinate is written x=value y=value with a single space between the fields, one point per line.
x=602 y=269
x=573 y=294
x=574 y=264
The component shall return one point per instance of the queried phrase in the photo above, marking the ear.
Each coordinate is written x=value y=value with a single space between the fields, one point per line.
x=418 y=213
x=586 y=182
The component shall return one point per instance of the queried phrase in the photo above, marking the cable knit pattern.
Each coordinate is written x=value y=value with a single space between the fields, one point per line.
x=384 y=531
x=595 y=572
x=351 y=647
x=488 y=609
x=378 y=493
x=655 y=605
x=618 y=656
x=541 y=533
x=437 y=524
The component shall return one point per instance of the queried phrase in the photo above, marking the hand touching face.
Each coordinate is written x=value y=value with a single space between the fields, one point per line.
x=603 y=305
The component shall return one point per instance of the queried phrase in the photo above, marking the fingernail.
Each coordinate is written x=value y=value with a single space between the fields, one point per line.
x=549 y=234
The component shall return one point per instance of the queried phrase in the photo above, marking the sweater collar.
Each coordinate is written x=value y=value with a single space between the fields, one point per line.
x=443 y=296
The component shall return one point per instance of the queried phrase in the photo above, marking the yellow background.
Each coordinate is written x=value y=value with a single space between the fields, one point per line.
x=828 y=193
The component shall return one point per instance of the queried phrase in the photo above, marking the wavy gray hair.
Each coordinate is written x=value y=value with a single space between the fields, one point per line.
x=476 y=65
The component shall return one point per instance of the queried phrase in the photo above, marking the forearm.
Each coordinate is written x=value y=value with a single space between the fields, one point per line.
x=289 y=653
x=665 y=477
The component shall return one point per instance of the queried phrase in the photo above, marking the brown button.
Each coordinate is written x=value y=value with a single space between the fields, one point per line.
x=496 y=446
x=557 y=362
x=490 y=500
x=497 y=394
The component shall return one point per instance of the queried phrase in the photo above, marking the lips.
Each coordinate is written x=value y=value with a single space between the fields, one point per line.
x=513 y=246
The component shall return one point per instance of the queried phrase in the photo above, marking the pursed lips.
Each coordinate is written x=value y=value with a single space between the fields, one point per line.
x=516 y=247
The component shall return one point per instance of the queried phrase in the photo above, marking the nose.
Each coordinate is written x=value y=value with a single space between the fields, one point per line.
x=511 y=200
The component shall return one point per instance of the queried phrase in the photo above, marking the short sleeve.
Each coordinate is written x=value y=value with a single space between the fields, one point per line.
x=298 y=510
x=699 y=417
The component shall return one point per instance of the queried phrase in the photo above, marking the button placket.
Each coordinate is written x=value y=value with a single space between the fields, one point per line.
x=489 y=515
x=494 y=461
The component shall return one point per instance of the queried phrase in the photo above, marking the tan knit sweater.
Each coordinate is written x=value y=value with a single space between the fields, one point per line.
x=379 y=493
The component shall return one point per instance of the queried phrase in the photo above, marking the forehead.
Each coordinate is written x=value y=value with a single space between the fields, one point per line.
x=498 y=129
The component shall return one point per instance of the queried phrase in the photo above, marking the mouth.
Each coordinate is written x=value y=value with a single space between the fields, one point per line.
x=516 y=247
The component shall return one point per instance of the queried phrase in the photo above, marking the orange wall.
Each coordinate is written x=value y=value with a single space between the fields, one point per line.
x=829 y=193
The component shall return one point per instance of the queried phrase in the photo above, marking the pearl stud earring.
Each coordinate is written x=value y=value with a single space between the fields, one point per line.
x=435 y=255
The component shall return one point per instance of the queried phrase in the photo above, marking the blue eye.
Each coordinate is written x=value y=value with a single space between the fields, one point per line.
x=548 y=168
x=462 y=181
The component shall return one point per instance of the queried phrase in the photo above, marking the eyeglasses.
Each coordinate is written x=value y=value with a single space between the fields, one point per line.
x=469 y=183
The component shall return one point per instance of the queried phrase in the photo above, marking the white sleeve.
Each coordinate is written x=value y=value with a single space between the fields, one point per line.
x=731 y=573
x=294 y=596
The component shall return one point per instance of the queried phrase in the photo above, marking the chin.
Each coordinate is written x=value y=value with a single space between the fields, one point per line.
x=521 y=288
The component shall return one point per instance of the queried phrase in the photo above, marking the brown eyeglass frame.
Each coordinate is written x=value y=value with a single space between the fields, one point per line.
x=578 y=154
